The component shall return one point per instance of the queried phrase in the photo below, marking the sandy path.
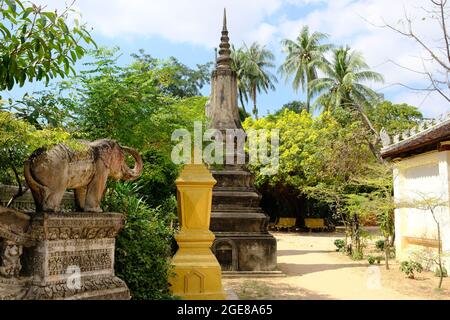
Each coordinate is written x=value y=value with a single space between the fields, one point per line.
x=315 y=271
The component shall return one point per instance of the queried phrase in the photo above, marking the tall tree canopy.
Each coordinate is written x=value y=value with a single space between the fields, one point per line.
x=252 y=65
x=302 y=58
x=342 y=86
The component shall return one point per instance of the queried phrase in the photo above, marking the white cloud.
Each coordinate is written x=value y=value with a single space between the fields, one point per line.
x=193 y=21
x=356 y=23
x=199 y=22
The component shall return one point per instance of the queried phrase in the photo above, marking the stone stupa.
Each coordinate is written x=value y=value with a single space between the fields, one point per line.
x=243 y=242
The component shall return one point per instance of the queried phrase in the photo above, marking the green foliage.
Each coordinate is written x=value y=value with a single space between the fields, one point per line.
x=143 y=247
x=303 y=56
x=342 y=85
x=380 y=245
x=410 y=268
x=18 y=139
x=395 y=118
x=129 y=103
x=340 y=245
x=42 y=110
x=157 y=183
x=295 y=106
x=371 y=259
x=438 y=273
x=252 y=65
x=179 y=80
x=36 y=44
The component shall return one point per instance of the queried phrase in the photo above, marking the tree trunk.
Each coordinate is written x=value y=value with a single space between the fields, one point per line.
x=441 y=269
x=242 y=101
x=387 y=251
x=308 y=95
x=21 y=190
x=255 y=109
x=372 y=145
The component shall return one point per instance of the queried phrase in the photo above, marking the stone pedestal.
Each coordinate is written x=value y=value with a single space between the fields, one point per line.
x=243 y=242
x=197 y=271
x=72 y=258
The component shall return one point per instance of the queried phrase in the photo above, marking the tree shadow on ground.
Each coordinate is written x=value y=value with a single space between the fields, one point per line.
x=264 y=289
x=292 y=269
x=285 y=253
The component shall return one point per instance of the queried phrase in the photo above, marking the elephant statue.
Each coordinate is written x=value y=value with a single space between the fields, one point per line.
x=50 y=172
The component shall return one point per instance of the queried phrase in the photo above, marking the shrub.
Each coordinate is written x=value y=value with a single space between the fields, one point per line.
x=157 y=183
x=437 y=272
x=340 y=245
x=409 y=267
x=380 y=245
x=143 y=247
x=371 y=260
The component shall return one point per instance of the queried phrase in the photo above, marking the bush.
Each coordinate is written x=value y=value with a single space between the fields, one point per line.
x=380 y=245
x=340 y=245
x=157 y=183
x=143 y=247
x=437 y=272
x=371 y=260
x=409 y=267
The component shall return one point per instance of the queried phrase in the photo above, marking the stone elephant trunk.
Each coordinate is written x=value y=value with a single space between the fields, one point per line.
x=132 y=174
x=50 y=172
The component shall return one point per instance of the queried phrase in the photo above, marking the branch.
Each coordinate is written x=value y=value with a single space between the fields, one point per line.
x=410 y=34
x=21 y=190
x=441 y=5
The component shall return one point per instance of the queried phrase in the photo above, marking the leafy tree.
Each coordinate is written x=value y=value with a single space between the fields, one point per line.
x=342 y=86
x=295 y=106
x=180 y=80
x=302 y=59
x=238 y=59
x=321 y=159
x=395 y=118
x=36 y=44
x=41 y=109
x=129 y=103
x=18 y=139
x=251 y=65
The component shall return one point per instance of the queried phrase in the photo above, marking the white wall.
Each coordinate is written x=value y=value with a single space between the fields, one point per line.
x=417 y=178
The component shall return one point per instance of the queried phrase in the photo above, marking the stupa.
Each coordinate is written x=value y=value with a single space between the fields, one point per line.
x=243 y=242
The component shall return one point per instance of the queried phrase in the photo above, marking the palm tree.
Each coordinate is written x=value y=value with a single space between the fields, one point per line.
x=251 y=65
x=303 y=56
x=238 y=59
x=342 y=87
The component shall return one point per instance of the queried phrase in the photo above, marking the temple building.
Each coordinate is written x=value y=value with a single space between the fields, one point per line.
x=243 y=242
x=421 y=160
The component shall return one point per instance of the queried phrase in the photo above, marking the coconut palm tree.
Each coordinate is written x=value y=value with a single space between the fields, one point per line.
x=238 y=59
x=252 y=66
x=342 y=86
x=302 y=58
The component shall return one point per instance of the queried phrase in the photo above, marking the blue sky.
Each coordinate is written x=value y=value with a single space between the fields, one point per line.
x=190 y=29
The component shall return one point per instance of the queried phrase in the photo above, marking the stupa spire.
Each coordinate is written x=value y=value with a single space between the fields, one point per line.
x=224 y=59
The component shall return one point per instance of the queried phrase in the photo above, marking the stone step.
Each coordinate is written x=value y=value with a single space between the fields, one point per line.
x=236 y=209
x=239 y=222
x=236 y=198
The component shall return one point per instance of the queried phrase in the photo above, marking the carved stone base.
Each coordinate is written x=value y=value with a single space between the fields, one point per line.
x=13 y=289
x=72 y=258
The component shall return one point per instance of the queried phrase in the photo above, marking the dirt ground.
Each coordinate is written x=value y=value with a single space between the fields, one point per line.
x=315 y=271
